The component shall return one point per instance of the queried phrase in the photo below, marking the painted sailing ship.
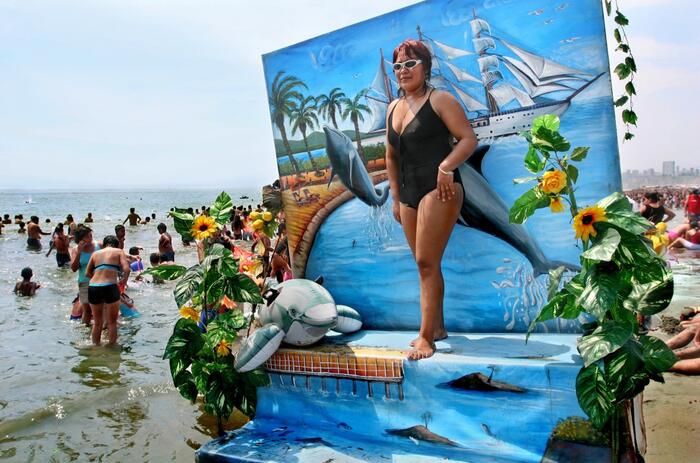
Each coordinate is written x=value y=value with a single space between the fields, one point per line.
x=509 y=105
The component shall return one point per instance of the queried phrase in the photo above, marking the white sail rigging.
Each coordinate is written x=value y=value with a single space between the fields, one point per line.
x=459 y=74
x=505 y=93
x=378 y=109
x=487 y=63
x=478 y=26
x=542 y=67
x=483 y=43
x=451 y=52
x=532 y=88
x=471 y=103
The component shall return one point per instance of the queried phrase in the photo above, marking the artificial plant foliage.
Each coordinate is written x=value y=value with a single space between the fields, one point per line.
x=200 y=349
x=621 y=278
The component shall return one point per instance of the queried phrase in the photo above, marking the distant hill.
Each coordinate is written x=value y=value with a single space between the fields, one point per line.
x=316 y=140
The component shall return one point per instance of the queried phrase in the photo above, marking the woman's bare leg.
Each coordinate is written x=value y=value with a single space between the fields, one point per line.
x=98 y=314
x=112 y=312
x=87 y=314
x=687 y=367
x=436 y=219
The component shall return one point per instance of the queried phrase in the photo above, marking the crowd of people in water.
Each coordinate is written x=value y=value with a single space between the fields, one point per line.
x=103 y=267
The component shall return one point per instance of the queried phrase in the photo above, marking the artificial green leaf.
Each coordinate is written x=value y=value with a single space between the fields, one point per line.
x=188 y=285
x=554 y=280
x=604 y=246
x=623 y=363
x=629 y=135
x=524 y=180
x=631 y=387
x=629 y=116
x=608 y=6
x=185 y=341
x=177 y=366
x=221 y=209
x=617 y=35
x=630 y=222
x=547 y=121
x=605 y=340
x=579 y=153
x=615 y=202
x=241 y=288
x=622 y=100
x=183 y=221
x=527 y=204
x=629 y=61
x=650 y=298
x=572 y=172
x=594 y=395
x=188 y=389
x=200 y=374
x=166 y=271
x=549 y=140
x=599 y=292
x=622 y=71
x=533 y=162
x=621 y=19
x=629 y=88
x=623 y=47
x=658 y=357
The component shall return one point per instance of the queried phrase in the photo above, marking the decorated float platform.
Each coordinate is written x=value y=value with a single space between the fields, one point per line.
x=481 y=397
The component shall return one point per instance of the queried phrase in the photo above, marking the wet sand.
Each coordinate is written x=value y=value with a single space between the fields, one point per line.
x=672 y=416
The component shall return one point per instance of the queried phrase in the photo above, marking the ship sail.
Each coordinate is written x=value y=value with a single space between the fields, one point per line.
x=505 y=93
x=459 y=74
x=542 y=67
x=487 y=62
x=451 y=52
x=482 y=44
x=378 y=97
x=478 y=26
x=532 y=88
x=378 y=109
x=471 y=103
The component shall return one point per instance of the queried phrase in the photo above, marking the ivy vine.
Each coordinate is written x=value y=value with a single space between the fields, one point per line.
x=626 y=70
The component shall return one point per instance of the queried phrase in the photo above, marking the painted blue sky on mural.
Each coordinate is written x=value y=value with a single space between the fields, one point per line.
x=569 y=33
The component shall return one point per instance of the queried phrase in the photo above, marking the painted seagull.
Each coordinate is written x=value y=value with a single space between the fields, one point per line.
x=482 y=208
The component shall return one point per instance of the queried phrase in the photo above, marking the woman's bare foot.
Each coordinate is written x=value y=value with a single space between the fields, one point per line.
x=439 y=335
x=422 y=349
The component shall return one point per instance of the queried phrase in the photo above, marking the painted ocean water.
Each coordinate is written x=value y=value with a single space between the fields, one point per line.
x=61 y=399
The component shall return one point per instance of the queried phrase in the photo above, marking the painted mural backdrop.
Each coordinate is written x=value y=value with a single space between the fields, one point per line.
x=507 y=62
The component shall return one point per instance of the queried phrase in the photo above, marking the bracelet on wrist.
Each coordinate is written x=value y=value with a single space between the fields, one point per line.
x=445 y=172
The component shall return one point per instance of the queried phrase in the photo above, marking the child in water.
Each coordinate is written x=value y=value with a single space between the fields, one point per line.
x=26 y=287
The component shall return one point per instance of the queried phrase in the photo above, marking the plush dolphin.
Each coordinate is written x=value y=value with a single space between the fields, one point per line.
x=347 y=164
x=482 y=209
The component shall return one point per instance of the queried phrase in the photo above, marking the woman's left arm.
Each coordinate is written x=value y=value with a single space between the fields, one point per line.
x=452 y=114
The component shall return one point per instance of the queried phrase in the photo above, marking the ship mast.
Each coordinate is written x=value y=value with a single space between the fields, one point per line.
x=490 y=101
x=385 y=77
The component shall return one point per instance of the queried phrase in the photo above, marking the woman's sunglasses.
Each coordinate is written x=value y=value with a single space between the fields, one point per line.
x=408 y=64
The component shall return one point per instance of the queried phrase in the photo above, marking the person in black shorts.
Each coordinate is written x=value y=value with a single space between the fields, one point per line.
x=425 y=185
x=103 y=291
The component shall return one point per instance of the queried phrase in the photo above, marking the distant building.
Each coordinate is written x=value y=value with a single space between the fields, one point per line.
x=668 y=169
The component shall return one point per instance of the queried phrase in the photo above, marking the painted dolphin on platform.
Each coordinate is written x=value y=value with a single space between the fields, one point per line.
x=347 y=164
x=483 y=209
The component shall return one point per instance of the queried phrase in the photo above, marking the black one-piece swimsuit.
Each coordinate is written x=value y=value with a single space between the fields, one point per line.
x=421 y=147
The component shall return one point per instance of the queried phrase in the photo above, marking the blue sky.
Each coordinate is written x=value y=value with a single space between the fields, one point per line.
x=172 y=94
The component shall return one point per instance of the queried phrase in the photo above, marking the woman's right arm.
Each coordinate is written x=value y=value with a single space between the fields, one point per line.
x=392 y=166
x=75 y=261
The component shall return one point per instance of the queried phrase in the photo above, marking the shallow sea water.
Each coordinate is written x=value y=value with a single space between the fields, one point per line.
x=62 y=399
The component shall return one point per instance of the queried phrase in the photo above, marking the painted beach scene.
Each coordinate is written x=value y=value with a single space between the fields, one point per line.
x=401 y=231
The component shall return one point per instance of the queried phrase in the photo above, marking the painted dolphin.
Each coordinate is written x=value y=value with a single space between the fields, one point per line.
x=483 y=209
x=347 y=164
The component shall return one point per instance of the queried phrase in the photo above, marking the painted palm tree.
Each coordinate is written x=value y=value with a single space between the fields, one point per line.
x=283 y=93
x=330 y=105
x=303 y=118
x=354 y=109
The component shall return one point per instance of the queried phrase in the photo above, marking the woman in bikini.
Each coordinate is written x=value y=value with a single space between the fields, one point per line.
x=103 y=291
x=422 y=160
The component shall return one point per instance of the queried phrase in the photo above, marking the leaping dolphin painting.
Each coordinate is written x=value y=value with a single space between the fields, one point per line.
x=482 y=209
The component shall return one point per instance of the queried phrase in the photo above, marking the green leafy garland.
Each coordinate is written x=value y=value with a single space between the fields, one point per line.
x=621 y=279
x=626 y=70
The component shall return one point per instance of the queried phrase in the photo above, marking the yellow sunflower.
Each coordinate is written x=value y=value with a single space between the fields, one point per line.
x=189 y=312
x=223 y=348
x=203 y=227
x=584 y=220
x=555 y=204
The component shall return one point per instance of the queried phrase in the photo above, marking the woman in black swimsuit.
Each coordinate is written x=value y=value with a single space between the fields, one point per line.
x=426 y=189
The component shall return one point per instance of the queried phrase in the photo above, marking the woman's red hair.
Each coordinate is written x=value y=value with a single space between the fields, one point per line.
x=417 y=50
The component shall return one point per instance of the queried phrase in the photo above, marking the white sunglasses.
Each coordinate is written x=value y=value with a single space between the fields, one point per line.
x=408 y=64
